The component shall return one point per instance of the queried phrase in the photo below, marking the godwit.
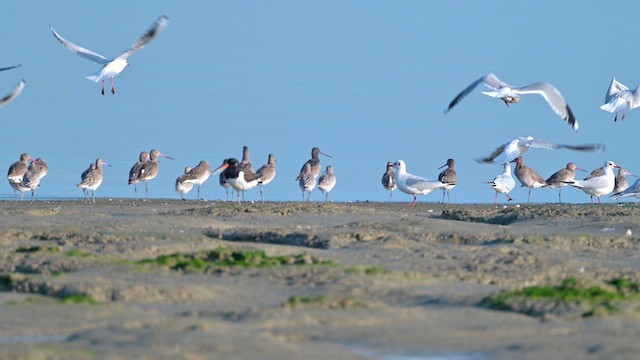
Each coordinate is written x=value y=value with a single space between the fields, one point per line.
x=503 y=183
x=314 y=163
x=508 y=152
x=245 y=164
x=31 y=179
x=326 y=182
x=198 y=175
x=449 y=177
x=621 y=183
x=16 y=173
x=562 y=177
x=237 y=178
x=528 y=177
x=113 y=68
x=149 y=170
x=92 y=179
x=306 y=180
x=267 y=173
x=412 y=184
x=135 y=170
x=633 y=190
x=620 y=98
x=182 y=186
x=598 y=185
x=511 y=94
x=389 y=179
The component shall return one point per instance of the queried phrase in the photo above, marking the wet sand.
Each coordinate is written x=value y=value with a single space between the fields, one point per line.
x=402 y=281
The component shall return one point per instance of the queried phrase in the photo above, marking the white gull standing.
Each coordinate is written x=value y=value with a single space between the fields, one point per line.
x=511 y=94
x=503 y=183
x=412 y=184
x=113 y=68
x=598 y=185
x=508 y=152
x=620 y=98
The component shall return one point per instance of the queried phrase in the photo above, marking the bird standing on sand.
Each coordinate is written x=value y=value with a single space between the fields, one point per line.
x=149 y=170
x=38 y=169
x=633 y=190
x=135 y=171
x=503 y=183
x=245 y=163
x=16 y=173
x=562 y=177
x=389 y=179
x=113 y=68
x=181 y=186
x=314 y=163
x=528 y=177
x=511 y=94
x=238 y=179
x=621 y=182
x=598 y=185
x=412 y=184
x=197 y=176
x=508 y=152
x=620 y=98
x=326 y=182
x=449 y=177
x=267 y=173
x=92 y=179
x=306 y=180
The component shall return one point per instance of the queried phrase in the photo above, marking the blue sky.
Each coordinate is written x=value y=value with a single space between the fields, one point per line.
x=366 y=81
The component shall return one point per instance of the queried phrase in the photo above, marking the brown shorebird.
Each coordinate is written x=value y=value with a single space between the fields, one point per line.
x=198 y=175
x=326 y=182
x=240 y=180
x=16 y=173
x=245 y=164
x=528 y=177
x=149 y=170
x=92 y=179
x=449 y=177
x=621 y=183
x=135 y=170
x=182 y=186
x=314 y=163
x=389 y=179
x=306 y=180
x=598 y=185
x=224 y=184
x=36 y=171
x=503 y=183
x=267 y=173
x=562 y=177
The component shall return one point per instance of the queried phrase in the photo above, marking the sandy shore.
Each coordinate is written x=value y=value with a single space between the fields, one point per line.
x=387 y=281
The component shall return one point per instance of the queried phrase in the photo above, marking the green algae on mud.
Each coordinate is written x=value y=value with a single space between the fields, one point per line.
x=568 y=298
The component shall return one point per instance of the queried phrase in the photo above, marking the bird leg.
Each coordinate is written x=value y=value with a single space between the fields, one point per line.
x=495 y=199
x=102 y=86
x=415 y=201
x=146 y=189
x=509 y=198
x=592 y=199
x=615 y=118
x=113 y=87
x=624 y=113
x=599 y=200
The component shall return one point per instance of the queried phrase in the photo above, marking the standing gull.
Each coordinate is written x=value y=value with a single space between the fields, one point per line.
x=412 y=184
x=511 y=94
x=135 y=170
x=598 y=185
x=562 y=177
x=449 y=177
x=182 y=186
x=149 y=170
x=198 y=175
x=113 y=68
x=326 y=182
x=92 y=179
x=620 y=98
x=503 y=183
x=508 y=152
x=314 y=163
x=267 y=173
x=528 y=177
x=389 y=179
x=16 y=173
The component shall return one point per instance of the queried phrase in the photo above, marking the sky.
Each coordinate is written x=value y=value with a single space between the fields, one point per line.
x=365 y=81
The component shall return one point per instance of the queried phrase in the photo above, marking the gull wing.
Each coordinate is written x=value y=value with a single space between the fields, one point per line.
x=492 y=157
x=154 y=31
x=635 y=100
x=553 y=97
x=79 y=50
x=489 y=80
x=13 y=94
x=10 y=67
x=541 y=144
x=615 y=88
x=419 y=183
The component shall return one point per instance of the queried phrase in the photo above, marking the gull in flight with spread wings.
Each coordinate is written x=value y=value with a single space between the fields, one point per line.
x=113 y=68
x=511 y=94
x=620 y=98
x=15 y=91
x=510 y=151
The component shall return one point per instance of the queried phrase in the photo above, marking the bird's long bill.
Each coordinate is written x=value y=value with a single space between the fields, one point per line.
x=581 y=169
x=220 y=169
x=165 y=156
x=327 y=155
x=105 y=163
x=442 y=166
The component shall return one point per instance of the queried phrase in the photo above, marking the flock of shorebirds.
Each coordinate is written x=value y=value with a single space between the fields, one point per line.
x=240 y=176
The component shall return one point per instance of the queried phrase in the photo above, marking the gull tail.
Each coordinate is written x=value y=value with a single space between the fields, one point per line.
x=610 y=107
x=97 y=77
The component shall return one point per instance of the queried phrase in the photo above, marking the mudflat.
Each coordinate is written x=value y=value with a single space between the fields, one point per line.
x=168 y=279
